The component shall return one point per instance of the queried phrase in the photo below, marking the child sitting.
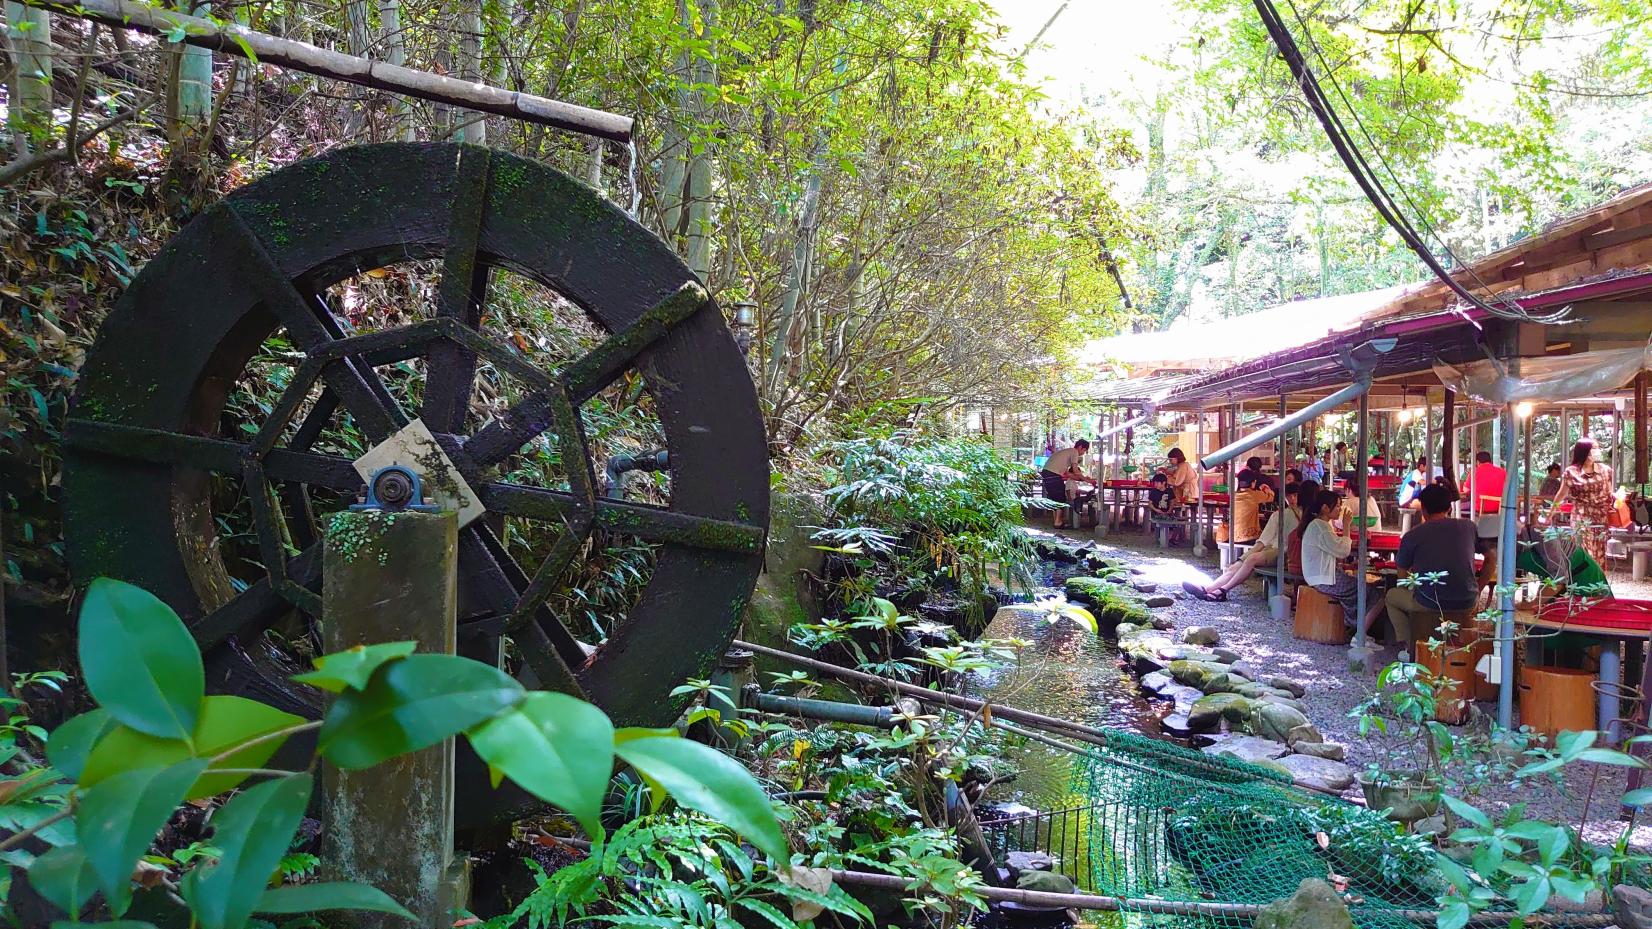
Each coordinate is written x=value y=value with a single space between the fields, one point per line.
x=1161 y=500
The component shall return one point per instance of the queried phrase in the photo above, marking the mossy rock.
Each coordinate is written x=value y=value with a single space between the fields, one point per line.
x=1211 y=707
x=1091 y=590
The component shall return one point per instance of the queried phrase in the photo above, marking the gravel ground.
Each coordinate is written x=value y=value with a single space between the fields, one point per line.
x=1333 y=690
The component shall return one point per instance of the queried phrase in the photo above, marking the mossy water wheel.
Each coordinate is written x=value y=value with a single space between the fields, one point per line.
x=146 y=440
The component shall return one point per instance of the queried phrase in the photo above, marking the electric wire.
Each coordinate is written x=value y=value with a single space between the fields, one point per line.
x=1421 y=215
x=1364 y=176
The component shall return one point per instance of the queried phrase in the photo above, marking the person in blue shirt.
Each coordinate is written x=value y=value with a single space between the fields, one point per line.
x=1311 y=467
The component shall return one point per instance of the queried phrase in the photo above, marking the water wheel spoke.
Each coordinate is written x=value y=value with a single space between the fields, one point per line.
x=206 y=453
x=489 y=574
x=583 y=378
x=310 y=324
x=644 y=522
x=295 y=496
x=260 y=605
x=450 y=373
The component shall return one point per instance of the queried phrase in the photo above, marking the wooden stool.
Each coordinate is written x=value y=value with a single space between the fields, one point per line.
x=1318 y=618
x=1555 y=700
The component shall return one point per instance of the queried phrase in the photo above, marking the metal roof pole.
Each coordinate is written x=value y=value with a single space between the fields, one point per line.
x=1505 y=578
x=1285 y=423
x=1131 y=423
x=1279 y=514
x=1358 y=654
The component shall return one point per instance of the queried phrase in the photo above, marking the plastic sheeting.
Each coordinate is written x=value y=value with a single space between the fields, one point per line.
x=1557 y=377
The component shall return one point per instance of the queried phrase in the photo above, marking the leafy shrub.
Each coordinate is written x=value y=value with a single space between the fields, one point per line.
x=941 y=512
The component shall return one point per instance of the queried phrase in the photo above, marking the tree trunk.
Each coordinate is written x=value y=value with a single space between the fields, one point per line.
x=29 y=46
x=674 y=145
x=395 y=52
x=697 y=251
x=475 y=127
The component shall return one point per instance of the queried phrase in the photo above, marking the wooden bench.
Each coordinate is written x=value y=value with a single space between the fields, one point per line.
x=1270 y=579
x=1234 y=552
x=1161 y=524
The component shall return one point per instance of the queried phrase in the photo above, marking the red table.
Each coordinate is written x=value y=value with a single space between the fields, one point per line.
x=1380 y=541
x=1613 y=619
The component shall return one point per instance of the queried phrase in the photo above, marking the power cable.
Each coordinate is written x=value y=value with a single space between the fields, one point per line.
x=1421 y=215
x=1387 y=207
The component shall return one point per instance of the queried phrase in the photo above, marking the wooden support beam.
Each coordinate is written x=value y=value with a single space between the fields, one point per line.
x=232 y=39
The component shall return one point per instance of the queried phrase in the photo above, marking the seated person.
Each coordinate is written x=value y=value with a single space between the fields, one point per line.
x=1266 y=552
x=1351 y=503
x=1576 y=573
x=1412 y=485
x=1159 y=497
x=1292 y=476
x=1323 y=548
x=1247 y=506
x=1439 y=545
x=1551 y=483
x=1184 y=480
x=1161 y=501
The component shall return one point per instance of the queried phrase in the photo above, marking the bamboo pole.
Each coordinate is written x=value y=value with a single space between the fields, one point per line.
x=232 y=39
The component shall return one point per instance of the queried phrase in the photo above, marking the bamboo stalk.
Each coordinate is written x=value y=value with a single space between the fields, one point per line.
x=232 y=39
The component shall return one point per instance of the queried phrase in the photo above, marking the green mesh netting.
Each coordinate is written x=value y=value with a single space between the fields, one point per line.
x=1163 y=822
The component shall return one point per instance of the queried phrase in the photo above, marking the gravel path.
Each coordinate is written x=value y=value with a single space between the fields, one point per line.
x=1333 y=690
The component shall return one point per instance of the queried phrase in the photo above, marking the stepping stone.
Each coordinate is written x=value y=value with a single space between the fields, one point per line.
x=1285 y=683
x=1321 y=774
x=1328 y=750
x=1158 y=681
x=1030 y=861
x=1227 y=654
x=1180 y=725
x=1158 y=601
x=1202 y=635
x=1145 y=587
x=1248 y=748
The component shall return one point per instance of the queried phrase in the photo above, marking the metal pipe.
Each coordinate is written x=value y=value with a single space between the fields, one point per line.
x=1505 y=578
x=1131 y=423
x=620 y=465
x=1280 y=426
x=1357 y=654
x=1279 y=514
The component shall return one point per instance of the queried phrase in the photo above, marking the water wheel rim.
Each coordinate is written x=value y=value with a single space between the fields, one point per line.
x=186 y=327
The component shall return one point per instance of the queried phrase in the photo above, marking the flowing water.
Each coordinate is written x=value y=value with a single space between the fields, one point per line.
x=1068 y=673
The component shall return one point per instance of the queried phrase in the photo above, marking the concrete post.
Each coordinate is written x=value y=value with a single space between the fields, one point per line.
x=392 y=577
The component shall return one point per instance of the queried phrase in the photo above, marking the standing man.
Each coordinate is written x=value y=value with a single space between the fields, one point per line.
x=1063 y=466
x=1439 y=545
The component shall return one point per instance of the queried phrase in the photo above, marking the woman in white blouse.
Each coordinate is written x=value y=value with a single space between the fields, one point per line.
x=1324 y=545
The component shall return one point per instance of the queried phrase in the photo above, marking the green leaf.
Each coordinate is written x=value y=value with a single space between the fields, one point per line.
x=1467 y=812
x=1453 y=915
x=65 y=878
x=253 y=831
x=1530 y=896
x=1453 y=872
x=1572 y=744
x=704 y=779
x=139 y=661
x=72 y=742
x=1611 y=756
x=118 y=819
x=114 y=924
x=351 y=668
x=558 y=748
x=1640 y=797
x=341 y=895
x=225 y=721
x=411 y=704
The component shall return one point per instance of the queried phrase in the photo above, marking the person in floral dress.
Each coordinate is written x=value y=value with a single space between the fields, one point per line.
x=1588 y=484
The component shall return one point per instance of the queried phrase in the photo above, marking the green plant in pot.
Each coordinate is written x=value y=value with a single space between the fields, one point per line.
x=1400 y=714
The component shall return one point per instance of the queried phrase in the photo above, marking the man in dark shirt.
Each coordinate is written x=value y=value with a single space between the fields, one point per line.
x=1440 y=545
